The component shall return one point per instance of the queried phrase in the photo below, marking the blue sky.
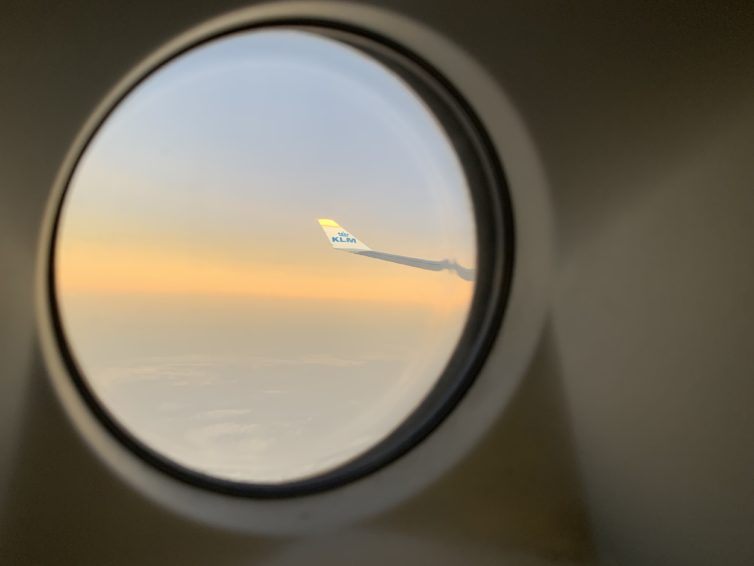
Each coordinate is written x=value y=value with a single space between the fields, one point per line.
x=278 y=128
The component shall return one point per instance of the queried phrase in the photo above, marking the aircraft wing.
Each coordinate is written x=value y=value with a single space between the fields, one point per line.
x=342 y=239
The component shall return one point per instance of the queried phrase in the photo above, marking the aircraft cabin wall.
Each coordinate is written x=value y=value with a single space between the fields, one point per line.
x=626 y=435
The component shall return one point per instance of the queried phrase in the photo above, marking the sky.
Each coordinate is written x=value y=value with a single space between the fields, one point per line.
x=201 y=298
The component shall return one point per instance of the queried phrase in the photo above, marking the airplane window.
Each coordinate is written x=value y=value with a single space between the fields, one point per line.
x=265 y=260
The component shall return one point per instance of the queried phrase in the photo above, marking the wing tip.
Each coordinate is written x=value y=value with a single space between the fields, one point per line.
x=328 y=222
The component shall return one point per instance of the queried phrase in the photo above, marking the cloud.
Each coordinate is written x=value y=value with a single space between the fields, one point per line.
x=198 y=370
x=221 y=414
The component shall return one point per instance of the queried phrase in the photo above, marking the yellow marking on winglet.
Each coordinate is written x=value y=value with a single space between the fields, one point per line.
x=328 y=222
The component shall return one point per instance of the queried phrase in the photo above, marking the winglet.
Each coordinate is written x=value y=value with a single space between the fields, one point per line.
x=340 y=238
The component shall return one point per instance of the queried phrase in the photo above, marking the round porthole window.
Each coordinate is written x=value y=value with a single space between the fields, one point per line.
x=280 y=259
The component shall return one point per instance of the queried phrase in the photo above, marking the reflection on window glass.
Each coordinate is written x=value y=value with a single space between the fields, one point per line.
x=210 y=273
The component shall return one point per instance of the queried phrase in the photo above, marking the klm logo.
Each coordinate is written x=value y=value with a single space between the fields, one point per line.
x=344 y=238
